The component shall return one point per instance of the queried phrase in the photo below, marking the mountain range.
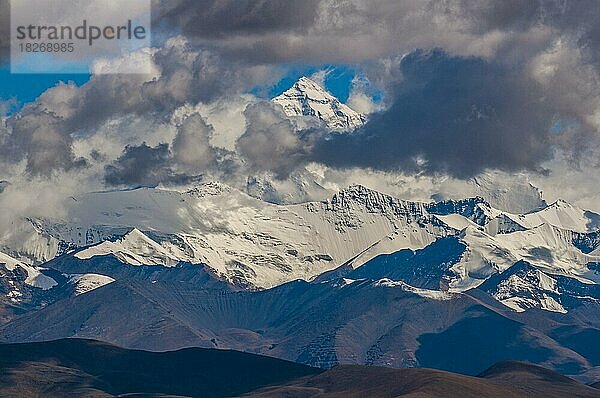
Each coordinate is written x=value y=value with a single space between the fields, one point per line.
x=361 y=278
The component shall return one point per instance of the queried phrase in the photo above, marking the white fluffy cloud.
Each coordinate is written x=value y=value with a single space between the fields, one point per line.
x=191 y=147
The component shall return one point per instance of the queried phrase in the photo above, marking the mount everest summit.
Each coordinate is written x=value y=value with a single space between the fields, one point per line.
x=307 y=98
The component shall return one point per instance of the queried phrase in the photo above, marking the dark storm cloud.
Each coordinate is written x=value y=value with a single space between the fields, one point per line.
x=186 y=75
x=47 y=145
x=580 y=20
x=325 y=31
x=482 y=16
x=219 y=18
x=458 y=115
x=146 y=166
x=332 y=30
x=273 y=31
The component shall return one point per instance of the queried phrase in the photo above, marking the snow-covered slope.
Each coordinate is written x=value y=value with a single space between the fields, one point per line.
x=135 y=248
x=547 y=247
x=559 y=214
x=482 y=255
x=33 y=277
x=562 y=215
x=524 y=286
x=528 y=288
x=26 y=288
x=508 y=192
x=244 y=239
x=26 y=241
x=476 y=209
x=467 y=260
x=431 y=294
x=22 y=287
x=456 y=221
x=84 y=283
x=307 y=98
x=256 y=244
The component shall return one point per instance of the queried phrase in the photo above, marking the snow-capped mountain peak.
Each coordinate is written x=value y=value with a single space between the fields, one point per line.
x=311 y=87
x=133 y=248
x=374 y=201
x=307 y=98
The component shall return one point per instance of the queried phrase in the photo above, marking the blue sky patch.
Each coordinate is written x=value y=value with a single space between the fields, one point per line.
x=26 y=88
x=338 y=80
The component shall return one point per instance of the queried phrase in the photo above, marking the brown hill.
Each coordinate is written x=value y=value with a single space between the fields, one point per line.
x=504 y=380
